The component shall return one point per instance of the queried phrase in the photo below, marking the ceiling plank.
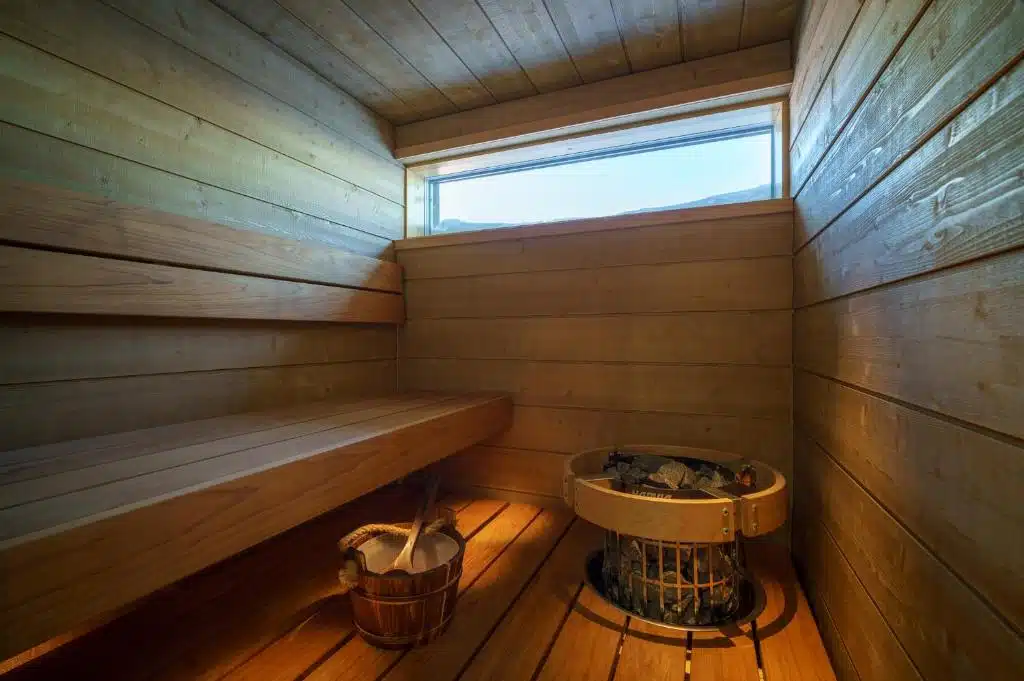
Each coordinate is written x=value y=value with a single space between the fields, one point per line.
x=590 y=33
x=767 y=21
x=412 y=36
x=650 y=31
x=743 y=76
x=470 y=34
x=285 y=30
x=351 y=36
x=710 y=27
x=527 y=29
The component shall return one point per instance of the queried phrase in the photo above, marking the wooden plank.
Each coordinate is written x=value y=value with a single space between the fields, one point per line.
x=527 y=29
x=753 y=236
x=412 y=36
x=215 y=35
x=569 y=431
x=745 y=75
x=33 y=157
x=44 y=281
x=650 y=652
x=124 y=51
x=880 y=27
x=762 y=338
x=228 y=517
x=40 y=215
x=41 y=413
x=350 y=35
x=957 y=198
x=916 y=466
x=978 y=40
x=791 y=646
x=717 y=657
x=968 y=321
x=766 y=21
x=286 y=31
x=591 y=35
x=35 y=350
x=678 y=217
x=468 y=31
x=588 y=643
x=302 y=648
x=537 y=616
x=733 y=391
x=514 y=470
x=754 y=284
x=710 y=28
x=650 y=32
x=819 y=49
x=923 y=602
x=117 y=120
x=873 y=648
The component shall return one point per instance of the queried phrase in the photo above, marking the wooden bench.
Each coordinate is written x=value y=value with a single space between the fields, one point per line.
x=91 y=525
x=522 y=614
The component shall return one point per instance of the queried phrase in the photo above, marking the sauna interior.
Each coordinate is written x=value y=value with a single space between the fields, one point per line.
x=268 y=266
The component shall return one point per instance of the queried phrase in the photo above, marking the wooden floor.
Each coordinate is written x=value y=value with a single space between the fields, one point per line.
x=274 y=613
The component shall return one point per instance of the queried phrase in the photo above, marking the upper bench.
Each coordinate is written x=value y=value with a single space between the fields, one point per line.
x=90 y=525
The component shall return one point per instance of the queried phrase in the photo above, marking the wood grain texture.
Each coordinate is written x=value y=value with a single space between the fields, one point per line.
x=650 y=32
x=42 y=281
x=652 y=652
x=42 y=413
x=124 y=51
x=762 y=338
x=710 y=28
x=231 y=514
x=968 y=321
x=588 y=643
x=753 y=391
x=753 y=236
x=963 y=45
x=591 y=35
x=33 y=157
x=755 y=284
x=957 y=198
x=669 y=89
x=915 y=465
x=767 y=21
x=513 y=470
x=212 y=33
x=119 y=121
x=924 y=603
x=39 y=215
x=37 y=349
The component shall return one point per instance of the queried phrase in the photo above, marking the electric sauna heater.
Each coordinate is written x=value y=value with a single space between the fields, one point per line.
x=675 y=519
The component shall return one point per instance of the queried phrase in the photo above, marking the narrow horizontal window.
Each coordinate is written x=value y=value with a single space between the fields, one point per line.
x=697 y=170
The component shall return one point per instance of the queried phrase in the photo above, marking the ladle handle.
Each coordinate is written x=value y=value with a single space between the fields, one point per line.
x=404 y=559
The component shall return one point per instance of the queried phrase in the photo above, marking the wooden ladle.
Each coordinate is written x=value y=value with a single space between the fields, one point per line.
x=403 y=562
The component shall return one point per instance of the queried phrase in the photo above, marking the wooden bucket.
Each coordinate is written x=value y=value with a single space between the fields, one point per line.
x=397 y=611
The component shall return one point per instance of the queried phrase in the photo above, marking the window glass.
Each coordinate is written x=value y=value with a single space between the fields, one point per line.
x=722 y=168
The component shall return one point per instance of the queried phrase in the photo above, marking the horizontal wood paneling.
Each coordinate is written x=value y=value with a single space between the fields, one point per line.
x=649 y=94
x=512 y=470
x=33 y=157
x=751 y=391
x=41 y=413
x=43 y=281
x=42 y=348
x=951 y=56
x=755 y=284
x=39 y=215
x=959 y=197
x=928 y=474
x=924 y=603
x=952 y=342
x=761 y=338
x=753 y=236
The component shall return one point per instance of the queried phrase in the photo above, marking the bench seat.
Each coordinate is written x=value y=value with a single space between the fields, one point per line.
x=91 y=525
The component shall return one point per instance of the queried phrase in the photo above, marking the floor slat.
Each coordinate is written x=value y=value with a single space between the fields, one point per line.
x=651 y=653
x=588 y=643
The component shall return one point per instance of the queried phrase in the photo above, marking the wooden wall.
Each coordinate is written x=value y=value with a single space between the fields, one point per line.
x=670 y=327
x=173 y=122
x=908 y=174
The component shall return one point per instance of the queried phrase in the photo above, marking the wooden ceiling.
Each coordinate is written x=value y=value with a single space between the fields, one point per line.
x=411 y=60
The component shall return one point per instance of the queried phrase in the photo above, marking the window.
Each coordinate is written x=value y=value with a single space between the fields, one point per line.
x=710 y=167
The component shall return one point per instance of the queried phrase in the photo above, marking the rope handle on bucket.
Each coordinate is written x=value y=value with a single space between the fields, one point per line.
x=349 y=575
